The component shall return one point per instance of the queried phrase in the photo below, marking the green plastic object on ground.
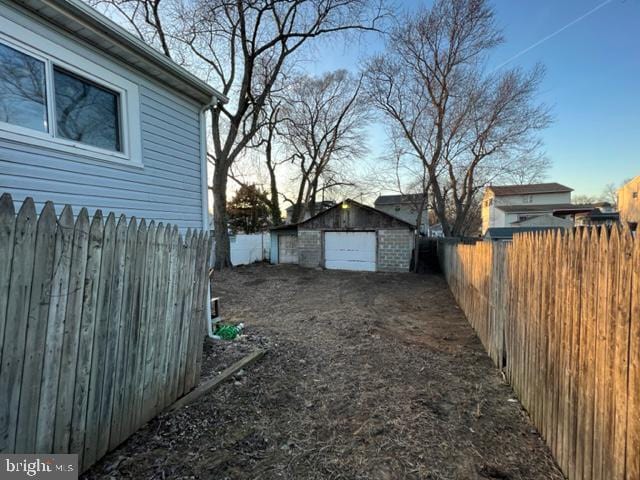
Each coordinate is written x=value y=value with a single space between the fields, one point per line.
x=228 y=332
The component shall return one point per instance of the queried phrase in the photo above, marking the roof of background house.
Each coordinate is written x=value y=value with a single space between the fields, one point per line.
x=83 y=21
x=602 y=204
x=551 y=207
x=394 y=199
x=598 y=215
x=544 y=220
x=507 y=233
x=534 y=188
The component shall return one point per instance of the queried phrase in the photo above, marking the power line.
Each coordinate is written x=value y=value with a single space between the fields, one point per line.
x=551 y=35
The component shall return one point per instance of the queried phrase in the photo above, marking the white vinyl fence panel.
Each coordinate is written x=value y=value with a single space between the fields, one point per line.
x=246 y=249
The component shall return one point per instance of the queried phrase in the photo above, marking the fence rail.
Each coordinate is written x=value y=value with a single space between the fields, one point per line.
x=561 y=314
x=101 y=325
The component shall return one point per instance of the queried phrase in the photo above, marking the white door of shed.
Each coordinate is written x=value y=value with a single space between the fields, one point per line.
x=287 y=249
x=350 y=251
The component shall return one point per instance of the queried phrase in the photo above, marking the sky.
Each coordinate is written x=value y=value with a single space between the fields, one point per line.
x=591 y=51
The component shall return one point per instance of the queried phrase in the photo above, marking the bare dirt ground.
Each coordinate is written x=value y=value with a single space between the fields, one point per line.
x=368 y=376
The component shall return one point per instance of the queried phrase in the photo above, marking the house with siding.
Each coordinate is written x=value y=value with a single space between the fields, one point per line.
x=533 y=205
x=93 y=117
x=629 y=202
x=404 y=207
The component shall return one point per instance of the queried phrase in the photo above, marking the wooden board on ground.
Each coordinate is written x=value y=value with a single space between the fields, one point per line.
x=212 y=383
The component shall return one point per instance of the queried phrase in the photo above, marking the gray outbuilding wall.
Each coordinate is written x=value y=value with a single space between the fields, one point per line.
x=394 y=250
x=310 y=248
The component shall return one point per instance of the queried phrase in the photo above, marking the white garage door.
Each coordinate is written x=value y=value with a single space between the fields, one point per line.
x=350 y=251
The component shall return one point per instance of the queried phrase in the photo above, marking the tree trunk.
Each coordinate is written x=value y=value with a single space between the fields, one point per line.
x=274 y=201
x=312 y=198
x=221 y=234
x=416 y=241
x=440 y=208
x=298 y=207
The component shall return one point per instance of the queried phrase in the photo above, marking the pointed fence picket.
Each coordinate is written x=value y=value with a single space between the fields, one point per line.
x=560 y=313
x=100 y=326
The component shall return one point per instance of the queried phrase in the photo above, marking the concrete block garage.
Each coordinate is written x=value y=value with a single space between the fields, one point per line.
x=348 y=236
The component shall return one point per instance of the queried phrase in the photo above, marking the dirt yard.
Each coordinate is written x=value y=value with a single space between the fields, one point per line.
x=368 y=376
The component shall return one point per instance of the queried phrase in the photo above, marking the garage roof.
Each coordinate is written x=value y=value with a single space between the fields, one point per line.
x=348 y=203
x=392 y=219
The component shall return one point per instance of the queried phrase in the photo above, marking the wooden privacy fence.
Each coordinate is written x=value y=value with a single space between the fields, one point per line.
x=561 y=314
x=100 y=326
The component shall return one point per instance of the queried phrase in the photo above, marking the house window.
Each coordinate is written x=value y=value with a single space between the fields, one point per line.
x=635 y=194
x=86 y=112
x=53 y=98
x=23 y=99
x=527 y=198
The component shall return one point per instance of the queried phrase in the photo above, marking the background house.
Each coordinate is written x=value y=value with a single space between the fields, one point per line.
x=92 y=117
x=348 y=236
x=404 y=207
x=629 y=202
x=603 y=214
x=513 y=205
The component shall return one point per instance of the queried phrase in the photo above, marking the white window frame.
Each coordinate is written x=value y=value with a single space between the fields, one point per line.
x=52 y=54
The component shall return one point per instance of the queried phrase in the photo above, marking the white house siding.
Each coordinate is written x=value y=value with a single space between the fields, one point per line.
x=167 y=188
x=408 y=213
x=537 y=199
x=494 y=217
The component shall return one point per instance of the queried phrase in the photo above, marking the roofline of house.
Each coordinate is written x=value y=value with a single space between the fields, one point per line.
x=637 y=177
x=405 y=199
x=80 y=12
x=565 y=189
x=577 y=208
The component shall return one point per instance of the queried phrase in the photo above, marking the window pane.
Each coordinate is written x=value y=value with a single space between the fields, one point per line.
x=86 y=112
x=22 y=90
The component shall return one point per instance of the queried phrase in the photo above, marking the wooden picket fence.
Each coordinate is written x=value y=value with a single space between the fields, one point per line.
x=560 y=312
x=101 y=326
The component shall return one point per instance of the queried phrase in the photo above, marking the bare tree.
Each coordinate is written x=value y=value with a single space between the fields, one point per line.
x=268 y=152
x=465 y=126
x=145 y=19
x=584 y=199
x=324 y=127
x=241 y=46
x=610 y=193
